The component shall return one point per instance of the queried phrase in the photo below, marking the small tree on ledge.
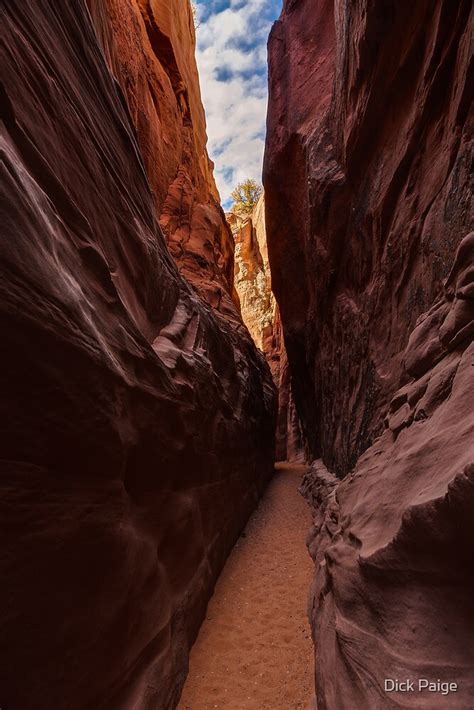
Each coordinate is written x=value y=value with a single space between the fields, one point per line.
x=245 y=197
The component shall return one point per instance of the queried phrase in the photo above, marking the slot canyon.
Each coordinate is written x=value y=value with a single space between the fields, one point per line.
x=237 y=463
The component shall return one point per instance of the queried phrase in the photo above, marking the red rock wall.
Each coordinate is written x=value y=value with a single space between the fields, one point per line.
x=137 y=423
x=150 y=48
x=369 y=105
x=393 y=542
x=366 y=180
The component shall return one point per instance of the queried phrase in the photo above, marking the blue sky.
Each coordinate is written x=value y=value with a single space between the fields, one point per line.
x=232 y=58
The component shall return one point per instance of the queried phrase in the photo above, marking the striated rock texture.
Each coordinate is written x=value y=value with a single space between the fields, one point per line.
x=261 y=316
x=136 y=422
x=150 y=48
x=394 y=541
x=252 y=273
x=367 y=162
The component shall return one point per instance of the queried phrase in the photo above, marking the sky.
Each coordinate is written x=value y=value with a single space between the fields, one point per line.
x=232 y=59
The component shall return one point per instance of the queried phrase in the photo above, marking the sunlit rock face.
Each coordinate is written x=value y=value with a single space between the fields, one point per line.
x=252 y=273
x=261 y=316
x=393 y=542
x=367 y=197
x=137 y=421
x=149 y=46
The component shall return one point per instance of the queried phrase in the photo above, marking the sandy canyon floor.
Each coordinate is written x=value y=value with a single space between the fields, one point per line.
x=254 y=650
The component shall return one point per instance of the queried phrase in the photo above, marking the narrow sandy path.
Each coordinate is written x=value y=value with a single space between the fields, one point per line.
x=254 y=650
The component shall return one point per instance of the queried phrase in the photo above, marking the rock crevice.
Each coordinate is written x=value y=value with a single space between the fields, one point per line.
x=261 y=315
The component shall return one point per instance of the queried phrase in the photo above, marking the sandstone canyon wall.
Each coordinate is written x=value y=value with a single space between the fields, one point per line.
x=137 y=421
x=252 y=275
x=150 y=49
x=260 y=314
x=366 y=179
x=393 y=542
x=369 y=210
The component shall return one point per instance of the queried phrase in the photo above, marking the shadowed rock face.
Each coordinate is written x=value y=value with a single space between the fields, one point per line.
x=289 y=444
x=368 y=197
x=150 y=49
x=393 y=542
x=366 y=183
x=137 y=422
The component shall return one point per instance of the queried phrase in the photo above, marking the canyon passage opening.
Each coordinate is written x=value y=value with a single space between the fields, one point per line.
x=138 y=415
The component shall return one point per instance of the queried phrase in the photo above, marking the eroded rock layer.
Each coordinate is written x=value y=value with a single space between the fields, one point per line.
x=149 y=46
x=368 y=155
x=394 y=541
x=262 y=317
x=252 y=275
x=137 y=422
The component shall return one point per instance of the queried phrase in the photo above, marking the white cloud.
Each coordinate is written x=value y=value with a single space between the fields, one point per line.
x=231 y=55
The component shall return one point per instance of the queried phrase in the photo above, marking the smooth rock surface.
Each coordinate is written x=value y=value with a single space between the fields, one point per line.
x=137 y=422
